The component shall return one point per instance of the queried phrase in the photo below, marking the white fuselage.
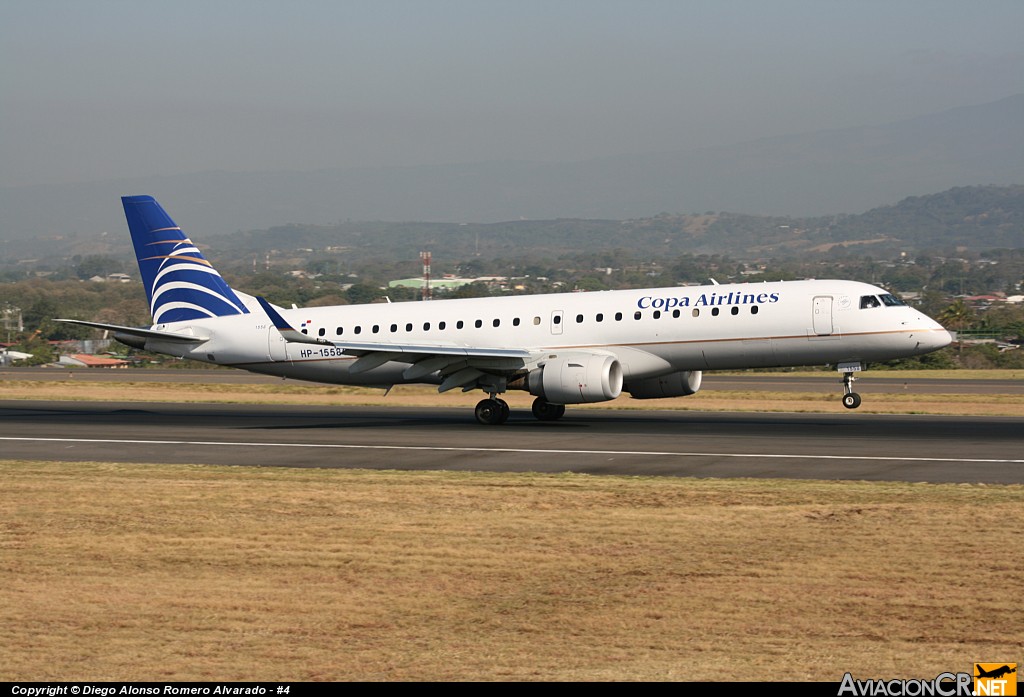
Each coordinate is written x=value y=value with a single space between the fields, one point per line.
x=652 y=332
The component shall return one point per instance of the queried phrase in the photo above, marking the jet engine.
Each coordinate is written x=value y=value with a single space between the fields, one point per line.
x=681 y=384
x=574 y=379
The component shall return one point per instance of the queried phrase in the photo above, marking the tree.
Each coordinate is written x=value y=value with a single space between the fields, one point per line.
x=97 y=265
x=362 y=293
x=958 y=316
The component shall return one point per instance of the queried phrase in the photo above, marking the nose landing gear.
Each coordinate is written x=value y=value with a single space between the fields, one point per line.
x=851 y=400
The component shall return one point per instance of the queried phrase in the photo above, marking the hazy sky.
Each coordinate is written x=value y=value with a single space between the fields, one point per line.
x=102 y=89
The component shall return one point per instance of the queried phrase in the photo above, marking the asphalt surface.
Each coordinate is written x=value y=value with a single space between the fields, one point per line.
x=660 y=443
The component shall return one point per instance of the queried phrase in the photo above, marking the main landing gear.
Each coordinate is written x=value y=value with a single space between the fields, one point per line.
x=493 y=411
x=546 y=411
x=851 y=400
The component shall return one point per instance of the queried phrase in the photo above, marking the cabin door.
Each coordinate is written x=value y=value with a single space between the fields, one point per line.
x=822 y=317
x=556 y=322
x=277 y=347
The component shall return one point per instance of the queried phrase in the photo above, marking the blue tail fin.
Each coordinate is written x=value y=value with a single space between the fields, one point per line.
x=180 y=283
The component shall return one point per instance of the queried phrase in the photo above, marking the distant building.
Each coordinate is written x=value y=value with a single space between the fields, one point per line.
x=450 y=282
x=435 y=283
x=84 y=360
x=111 y=278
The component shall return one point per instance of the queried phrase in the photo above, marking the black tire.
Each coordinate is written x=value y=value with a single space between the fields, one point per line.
x=851 y=401
x=490 y=413
x=545 y=411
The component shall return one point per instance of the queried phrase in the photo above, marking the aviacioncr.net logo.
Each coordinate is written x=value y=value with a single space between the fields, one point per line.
x=943 y=685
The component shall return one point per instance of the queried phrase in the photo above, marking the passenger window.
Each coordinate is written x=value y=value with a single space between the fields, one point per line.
x=675 y=314
x=714 y=312
x=557 y=319
x=440 y=325
x=599 y=317
x=376 y=328
x=637 y=314
x=340 y=331
x=657 y=314
x=479 y=323
x=618 y=316
x=753 y=309
x=394 y=327
x=358 y=329
x=323 y=330
x=408 y=327
x=515 y=321
x=735 y=310
x=426 y=326
x=496 y=322
x=696 y=312
x=536 y=320
x=579 y=319
x=460 y=324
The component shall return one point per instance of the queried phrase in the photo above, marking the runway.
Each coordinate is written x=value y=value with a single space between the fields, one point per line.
x=649 y=443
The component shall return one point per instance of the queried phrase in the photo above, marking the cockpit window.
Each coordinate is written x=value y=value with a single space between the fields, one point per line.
x=891 y=300
x=867 y=301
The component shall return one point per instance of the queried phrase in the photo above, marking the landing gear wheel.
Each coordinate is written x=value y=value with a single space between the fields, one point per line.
x=491 y=412
x=505 y=411
x=851 y=400
x=545 y=411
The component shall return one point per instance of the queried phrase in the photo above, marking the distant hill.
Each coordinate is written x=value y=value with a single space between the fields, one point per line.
x=975 y=218
x=829 y=172
x=972 y=218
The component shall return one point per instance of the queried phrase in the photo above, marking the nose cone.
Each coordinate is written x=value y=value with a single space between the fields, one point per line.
x=928 y=336
x=933 y=337
x=937 y=338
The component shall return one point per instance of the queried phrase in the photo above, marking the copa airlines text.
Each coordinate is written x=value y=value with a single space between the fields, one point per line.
x=566 y=348
x=706 y=300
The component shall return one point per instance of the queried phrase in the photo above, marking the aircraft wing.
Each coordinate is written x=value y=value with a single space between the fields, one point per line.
x=140 y=332
x=460 y=365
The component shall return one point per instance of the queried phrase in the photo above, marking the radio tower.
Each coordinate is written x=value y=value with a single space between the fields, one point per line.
x=425 y=258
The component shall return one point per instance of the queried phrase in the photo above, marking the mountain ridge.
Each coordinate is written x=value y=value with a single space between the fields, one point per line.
x=827 y=172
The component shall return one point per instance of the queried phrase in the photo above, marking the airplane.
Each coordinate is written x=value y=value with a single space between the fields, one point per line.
x=12 y=355
x=995 y=673
x=564 y=348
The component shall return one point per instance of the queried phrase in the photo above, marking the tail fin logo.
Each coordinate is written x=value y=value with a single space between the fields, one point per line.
x=180 y=283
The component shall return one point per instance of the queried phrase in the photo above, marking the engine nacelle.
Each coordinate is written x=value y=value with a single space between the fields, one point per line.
x=681 y=384
x=575 y=379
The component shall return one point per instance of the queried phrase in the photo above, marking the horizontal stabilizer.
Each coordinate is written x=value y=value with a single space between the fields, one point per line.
x=140 y=332
x=287 y=331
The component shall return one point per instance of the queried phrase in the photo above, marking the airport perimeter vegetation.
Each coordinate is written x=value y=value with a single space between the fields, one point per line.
x=117 y=571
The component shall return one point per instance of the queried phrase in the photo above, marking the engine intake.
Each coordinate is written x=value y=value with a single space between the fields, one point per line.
x=575 y=379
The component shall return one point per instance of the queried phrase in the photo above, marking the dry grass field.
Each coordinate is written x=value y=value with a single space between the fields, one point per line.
x=132 y=572
x=172 y=573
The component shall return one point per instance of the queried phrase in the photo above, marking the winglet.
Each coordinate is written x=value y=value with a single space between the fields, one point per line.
x=287 y=331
